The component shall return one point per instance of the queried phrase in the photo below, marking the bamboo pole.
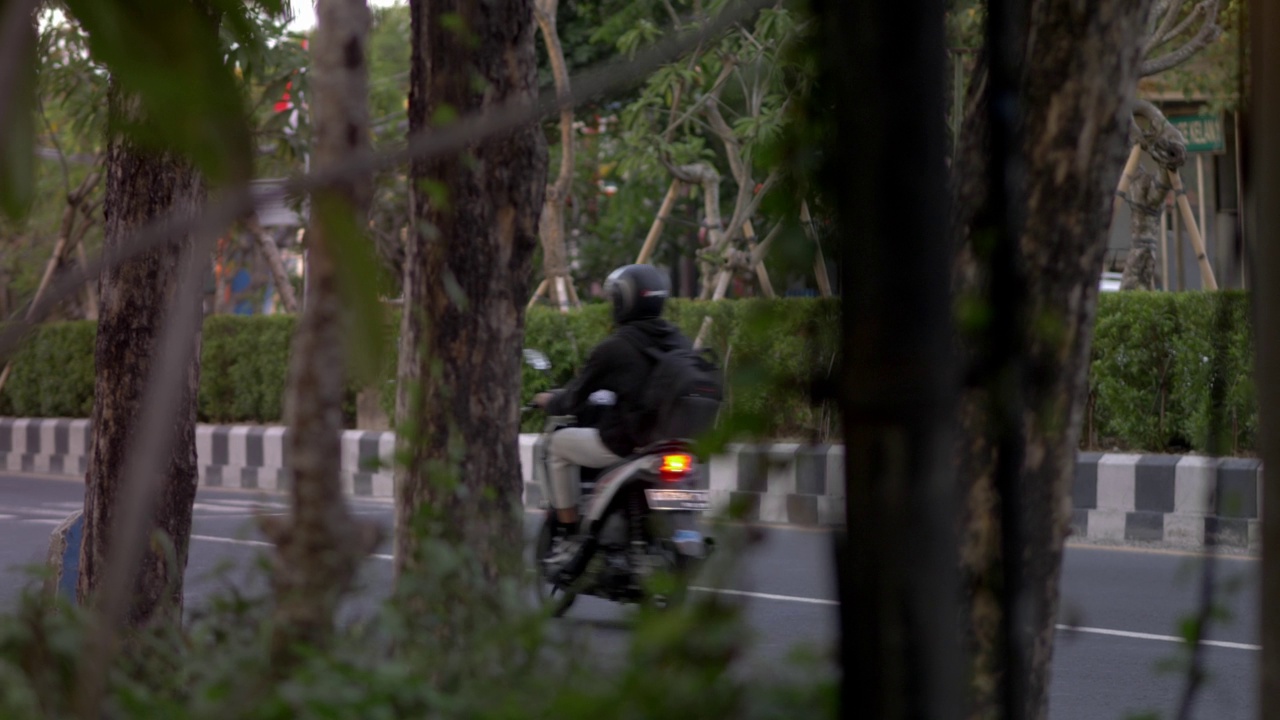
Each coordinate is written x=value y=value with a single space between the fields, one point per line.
x=722 y=287
x=573 y=294
x=562 y=295
x=762 y=274
x=542 y=286
x=1244 y=239
x=1180 y=283
x=1164 y=248
x=90 y=298
x=1207 y=280
x=1126 y=177
x=819 y=262
x=651 y=240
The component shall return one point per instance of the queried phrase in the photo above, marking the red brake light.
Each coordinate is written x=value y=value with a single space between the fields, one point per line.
x=675 y=466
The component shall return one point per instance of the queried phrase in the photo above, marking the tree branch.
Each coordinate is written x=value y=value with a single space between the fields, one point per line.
x=1208 y=32
x=1163 y=16
x=714 y=93
x=53 y=136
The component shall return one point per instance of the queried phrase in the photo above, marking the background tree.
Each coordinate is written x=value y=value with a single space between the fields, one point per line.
x=466 y=282
x=1175 y=32
x=144 y=180
x=557 y=283
x=1030 y=247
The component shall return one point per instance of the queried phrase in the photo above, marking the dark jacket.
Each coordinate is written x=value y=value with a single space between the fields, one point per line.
x=619 y=367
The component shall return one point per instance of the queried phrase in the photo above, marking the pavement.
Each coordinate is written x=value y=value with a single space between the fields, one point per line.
x=1125 y=604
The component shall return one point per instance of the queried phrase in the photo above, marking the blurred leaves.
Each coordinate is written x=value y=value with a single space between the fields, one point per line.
x=17 y=135
x=158 y=51
x=361 y=281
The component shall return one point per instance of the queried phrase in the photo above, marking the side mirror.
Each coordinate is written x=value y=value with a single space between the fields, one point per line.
x=536 y=360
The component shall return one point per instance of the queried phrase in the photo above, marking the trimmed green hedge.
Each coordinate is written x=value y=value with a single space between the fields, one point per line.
x=1149 y=385
x=1153 y=368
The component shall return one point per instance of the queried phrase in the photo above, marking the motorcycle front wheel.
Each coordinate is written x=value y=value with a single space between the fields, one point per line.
x=552 y=597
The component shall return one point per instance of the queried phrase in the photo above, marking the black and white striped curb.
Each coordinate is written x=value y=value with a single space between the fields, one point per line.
x=1168 y=499
x=231 y=456
x=781 y=483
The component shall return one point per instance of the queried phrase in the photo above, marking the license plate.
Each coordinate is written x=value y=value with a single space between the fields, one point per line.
x=677 y=499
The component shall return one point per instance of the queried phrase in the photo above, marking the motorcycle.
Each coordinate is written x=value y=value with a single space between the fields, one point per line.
x=639 y=520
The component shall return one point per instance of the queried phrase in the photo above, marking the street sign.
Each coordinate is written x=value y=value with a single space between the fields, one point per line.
x=1203 y=133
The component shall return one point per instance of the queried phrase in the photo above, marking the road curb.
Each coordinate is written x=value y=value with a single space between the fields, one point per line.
x=1177 y=500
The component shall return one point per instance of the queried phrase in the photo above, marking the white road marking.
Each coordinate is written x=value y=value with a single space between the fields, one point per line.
x=766 y=596
x=47 y=512
x=1160 y=638
x=8 y=517
x=822 y=601
x=231 y=541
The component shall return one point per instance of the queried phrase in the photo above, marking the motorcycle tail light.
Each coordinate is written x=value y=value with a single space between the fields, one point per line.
x=675 y=466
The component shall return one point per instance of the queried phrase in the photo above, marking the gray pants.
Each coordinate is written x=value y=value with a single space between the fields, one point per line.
x=572 y=448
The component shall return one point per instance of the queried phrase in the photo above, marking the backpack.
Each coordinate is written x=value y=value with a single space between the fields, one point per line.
x=682 y=395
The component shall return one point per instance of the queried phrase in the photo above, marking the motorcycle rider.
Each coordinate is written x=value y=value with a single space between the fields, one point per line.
x=605 y=397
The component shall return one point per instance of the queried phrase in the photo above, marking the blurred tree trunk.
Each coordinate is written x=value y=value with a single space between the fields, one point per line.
x=1074 y=89
x=133 y=301
x=1262 y=188
x=466 y=281
x=321 y=546
x=898 y=570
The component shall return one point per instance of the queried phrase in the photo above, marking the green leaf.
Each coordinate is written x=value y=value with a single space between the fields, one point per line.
x=18 y=139
x=167 y=54
x=359 y=281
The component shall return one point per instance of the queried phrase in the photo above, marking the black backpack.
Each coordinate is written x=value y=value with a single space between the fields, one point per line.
x=682 y=395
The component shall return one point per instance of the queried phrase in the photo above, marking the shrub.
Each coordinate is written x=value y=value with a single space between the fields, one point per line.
x=1156 y=358
x=52 y=373
x=244 y=367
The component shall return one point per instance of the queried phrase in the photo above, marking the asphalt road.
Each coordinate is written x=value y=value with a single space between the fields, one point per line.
x=1126 y=604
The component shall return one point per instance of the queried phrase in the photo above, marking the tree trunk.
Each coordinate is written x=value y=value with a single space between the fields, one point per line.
x=466 y=280
x=133 y=302
x=1076 y=86
x=320 y=549
x=555 y=261
x=898 y=576
x=1145 y=196
x=271 y=253
x=1262 y=180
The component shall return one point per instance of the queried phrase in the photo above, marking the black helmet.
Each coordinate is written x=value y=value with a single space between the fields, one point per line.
x=637 y=292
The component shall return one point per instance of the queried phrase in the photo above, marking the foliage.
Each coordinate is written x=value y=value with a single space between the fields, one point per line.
x=1148 y=388
x=417 y=653
x=244 y=368
x=53 y=373
x=1152 y=369
x=772 y=349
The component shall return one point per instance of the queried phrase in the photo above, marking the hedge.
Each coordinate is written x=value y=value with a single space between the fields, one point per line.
x=1154 y=364
x=772 y=348
x=1149 y=385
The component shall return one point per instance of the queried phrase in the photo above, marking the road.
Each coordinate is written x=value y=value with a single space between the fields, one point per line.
x=1127 y=604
